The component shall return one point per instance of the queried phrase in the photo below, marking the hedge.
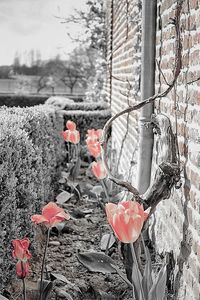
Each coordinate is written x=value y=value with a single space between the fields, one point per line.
x=85 y=114
x=29 y=100
x=22 y=100
x=31 y=153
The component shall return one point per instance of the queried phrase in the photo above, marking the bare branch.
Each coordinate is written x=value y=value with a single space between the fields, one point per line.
x=192 y=81
x=161 y=72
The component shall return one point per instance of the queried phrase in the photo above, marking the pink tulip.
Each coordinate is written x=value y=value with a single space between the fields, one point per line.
x=71 y=125
x=98 y=169
x=126 y=219
x=71 y=136
x=65 y=134
x=22 y=269
x=51 y=215
x=93 y=135
x=93 y=143
x=21 y=251
x=94 y=149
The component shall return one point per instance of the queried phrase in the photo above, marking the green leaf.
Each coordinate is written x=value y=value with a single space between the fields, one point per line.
x=147 y=280
x=47 y=287
x=161 y=286
x=97 y=262
x=137 y=284
x=122 y=275
x=157 y=291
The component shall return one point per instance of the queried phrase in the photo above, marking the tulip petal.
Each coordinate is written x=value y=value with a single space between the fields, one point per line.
x=50 y=210
x=21 y=251
x=110 y=211
x=65 y=135
x=71 y=125
x=22 y=269
x=37 y=219
x=52 y=214
x=18 y=249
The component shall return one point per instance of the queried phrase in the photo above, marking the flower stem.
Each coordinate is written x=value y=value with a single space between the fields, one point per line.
x=105 y=190
x=137 y=268
x=23 y=282
x=24 y=288
x=43 y=262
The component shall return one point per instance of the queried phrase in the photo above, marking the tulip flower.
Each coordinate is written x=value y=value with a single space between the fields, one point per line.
x=98 y=169
x=71 y=135
x=51 y=215
x=71 y=125
x=94 y=149
x=21 y=253
x=126 y=219
x=94 y=134
x=93 y=143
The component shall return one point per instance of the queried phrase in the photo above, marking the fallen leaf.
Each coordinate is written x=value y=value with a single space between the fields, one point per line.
x=97 y=262
x=105 y=239
x=60 y=277
x=63 y=197
x=97 y=190
x=77 y=213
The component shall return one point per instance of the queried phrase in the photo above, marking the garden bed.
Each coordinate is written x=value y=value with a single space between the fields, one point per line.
x=82 y=233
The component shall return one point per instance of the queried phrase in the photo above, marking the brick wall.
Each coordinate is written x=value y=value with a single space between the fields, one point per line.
x=176 y=226
x=124 y=63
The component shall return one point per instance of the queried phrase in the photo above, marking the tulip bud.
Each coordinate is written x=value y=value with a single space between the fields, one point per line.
x=71 y=125
x=99 y=170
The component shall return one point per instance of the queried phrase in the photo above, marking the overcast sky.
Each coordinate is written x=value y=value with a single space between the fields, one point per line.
x=31 y=24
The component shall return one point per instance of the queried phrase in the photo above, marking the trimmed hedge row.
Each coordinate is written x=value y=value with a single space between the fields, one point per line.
x=86 y=115
x=87 y=119
x=22 y=100
x=30 y=100
x=31 y=153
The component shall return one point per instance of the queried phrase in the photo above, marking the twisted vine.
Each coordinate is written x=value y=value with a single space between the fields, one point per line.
x=168 y=174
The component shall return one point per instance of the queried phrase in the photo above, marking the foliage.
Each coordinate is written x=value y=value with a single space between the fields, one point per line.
x=88 y=119
x=94 y=40
x=5 y=72
x=93 y=21
x=79 y=68
x=30 y=155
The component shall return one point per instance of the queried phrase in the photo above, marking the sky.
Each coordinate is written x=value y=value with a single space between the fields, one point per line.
x=35 y=24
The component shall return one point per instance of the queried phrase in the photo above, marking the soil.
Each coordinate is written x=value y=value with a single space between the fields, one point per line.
x=82 y=233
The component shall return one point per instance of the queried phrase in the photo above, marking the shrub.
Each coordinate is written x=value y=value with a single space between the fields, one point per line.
x=86 y=115
x=22 y=100
x=31 y=100
x=87 y=119
x=31 y=152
